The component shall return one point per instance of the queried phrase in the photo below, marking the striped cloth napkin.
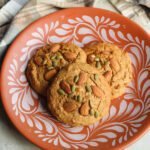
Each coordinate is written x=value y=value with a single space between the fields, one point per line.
x=15 y=15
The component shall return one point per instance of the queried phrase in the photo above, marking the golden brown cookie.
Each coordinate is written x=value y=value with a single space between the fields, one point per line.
x=48 y=60
x=79 y=95
x=113 y=63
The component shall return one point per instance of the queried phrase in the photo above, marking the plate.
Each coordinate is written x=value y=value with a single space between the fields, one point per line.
x=129 y=115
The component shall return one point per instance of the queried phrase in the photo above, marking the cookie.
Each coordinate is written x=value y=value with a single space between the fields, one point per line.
x=113 y=63
x=48 y=60
x=79 y=95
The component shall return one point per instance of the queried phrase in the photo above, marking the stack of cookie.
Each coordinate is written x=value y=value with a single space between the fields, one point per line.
x=79 y=83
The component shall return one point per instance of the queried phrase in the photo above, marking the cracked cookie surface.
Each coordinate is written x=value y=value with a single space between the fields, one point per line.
x=113 y=63
x=79 y=95
x=48 y=60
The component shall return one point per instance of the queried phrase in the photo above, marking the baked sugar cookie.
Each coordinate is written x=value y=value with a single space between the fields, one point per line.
x=79 y=95
x=48 y=60
x=113 y=63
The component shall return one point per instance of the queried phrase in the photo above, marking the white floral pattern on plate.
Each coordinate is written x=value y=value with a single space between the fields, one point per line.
x=119 y=124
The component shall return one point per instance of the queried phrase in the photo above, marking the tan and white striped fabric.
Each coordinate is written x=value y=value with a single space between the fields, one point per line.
x=15 y=15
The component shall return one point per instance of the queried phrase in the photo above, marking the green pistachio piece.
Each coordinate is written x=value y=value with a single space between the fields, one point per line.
x=73 y=88
x=105 y=62
x=96 y=114
x=95 y=76
x=53 y=57
x=61 y=92
x=70 y=95
x=79 y=99
x=59 y=57
x=88 y=88
x=91 y=112
x=98 y=65
x=76 y=78
x=54 y=63
x=50 y=67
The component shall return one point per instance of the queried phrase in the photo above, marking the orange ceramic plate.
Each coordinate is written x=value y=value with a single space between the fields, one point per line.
x=129 y=115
